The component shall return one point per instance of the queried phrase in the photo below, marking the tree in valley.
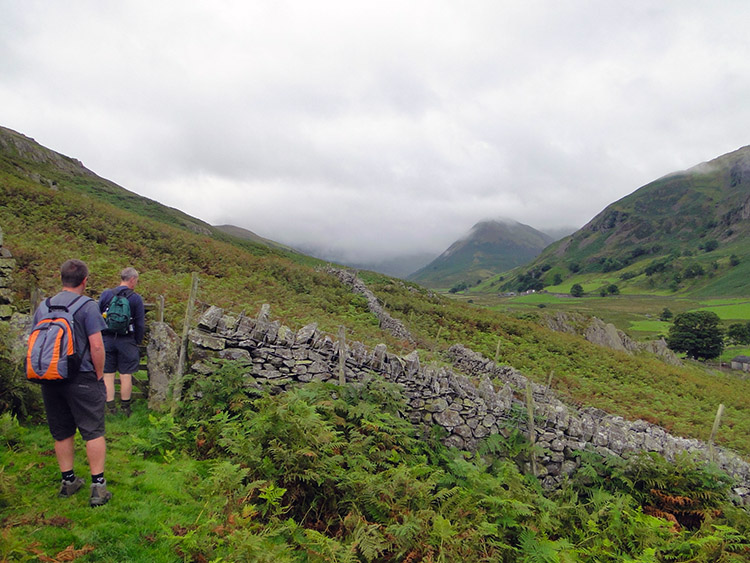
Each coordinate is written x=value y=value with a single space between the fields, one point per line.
x=739 y=333
x=576 y=290
x=699 y=334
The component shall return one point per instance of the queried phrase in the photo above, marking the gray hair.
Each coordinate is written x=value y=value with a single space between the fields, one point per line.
x=128 y=274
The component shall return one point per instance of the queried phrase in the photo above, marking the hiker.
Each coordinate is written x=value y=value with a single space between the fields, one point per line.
x=124 y=315
x=78 y=402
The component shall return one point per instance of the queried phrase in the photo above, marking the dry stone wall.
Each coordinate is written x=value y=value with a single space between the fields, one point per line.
x=468 y=408
x=7 y=263
x=387 y=322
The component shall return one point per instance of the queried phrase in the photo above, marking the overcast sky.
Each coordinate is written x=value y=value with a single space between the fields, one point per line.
x=375 y=129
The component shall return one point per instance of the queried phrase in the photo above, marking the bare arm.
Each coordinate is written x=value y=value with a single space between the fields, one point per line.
x=96 y=345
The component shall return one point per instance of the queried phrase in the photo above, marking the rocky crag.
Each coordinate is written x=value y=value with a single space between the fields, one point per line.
x=608 y=335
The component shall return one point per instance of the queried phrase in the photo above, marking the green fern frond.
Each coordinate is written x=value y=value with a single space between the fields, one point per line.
x=369 y=541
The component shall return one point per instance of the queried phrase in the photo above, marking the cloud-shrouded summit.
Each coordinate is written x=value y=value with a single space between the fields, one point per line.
x=373 y=130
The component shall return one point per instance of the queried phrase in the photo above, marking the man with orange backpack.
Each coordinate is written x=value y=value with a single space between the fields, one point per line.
x=72 y=379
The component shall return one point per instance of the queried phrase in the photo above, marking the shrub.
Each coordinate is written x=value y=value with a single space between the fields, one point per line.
x=666 y=315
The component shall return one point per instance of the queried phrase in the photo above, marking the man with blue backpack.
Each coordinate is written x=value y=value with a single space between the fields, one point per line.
x=123 y=312
x=66 y=356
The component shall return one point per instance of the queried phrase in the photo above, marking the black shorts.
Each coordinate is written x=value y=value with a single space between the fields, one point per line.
x=77 y=404
x=122 y=354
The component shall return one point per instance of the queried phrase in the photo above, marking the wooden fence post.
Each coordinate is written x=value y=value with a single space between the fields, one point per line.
x=532 y=428
x=342 y=355
x=160 y=315
x=177 y=389
x=714 y=431
x=497 y=350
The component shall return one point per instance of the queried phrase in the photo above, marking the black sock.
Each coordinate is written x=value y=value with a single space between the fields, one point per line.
x=98 y=479
x=125 y=403
x=69 y=476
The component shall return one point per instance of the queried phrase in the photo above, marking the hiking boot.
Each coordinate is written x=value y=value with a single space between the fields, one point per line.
x=99 y=494
x=111 y=407
x=69 y=488
x=125 y=409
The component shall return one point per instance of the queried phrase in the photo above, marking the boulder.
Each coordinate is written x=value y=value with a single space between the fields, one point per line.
x=163 y=351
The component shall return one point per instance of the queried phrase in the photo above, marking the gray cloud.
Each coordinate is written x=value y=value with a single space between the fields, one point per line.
x=379 y=129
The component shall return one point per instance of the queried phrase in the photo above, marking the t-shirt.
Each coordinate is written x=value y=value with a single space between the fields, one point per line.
x=86 y=321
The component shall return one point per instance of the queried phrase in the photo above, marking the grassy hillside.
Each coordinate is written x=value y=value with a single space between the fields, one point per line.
x=682 y=399
x=686 y=233
x=244 y=234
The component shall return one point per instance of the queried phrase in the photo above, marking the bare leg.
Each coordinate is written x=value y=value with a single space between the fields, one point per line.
x=65 y=451
x=109 y=383
x=126 y=386
x=96 y=451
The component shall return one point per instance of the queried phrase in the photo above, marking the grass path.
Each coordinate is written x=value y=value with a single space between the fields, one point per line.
x=146 y=519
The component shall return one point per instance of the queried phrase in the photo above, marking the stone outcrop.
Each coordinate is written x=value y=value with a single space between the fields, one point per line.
x=15 y=144
x=604 y=334
x=468 y=408
x=163 y=350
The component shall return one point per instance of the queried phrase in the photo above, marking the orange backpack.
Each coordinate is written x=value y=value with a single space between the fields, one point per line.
x=51 y=354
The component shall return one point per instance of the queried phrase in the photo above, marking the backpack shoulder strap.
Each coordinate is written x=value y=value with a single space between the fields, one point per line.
x=125 y=292
x=59 y=306
x=44 y=306
x=77 y=303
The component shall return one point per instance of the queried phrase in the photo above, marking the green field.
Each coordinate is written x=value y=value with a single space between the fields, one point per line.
x=650 y=327
x=636 y=314
x=728 y=309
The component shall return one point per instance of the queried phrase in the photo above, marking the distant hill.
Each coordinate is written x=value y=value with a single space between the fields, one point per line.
x=687 y=231
x=246 y=234
x=490 y=247
x=399 y=265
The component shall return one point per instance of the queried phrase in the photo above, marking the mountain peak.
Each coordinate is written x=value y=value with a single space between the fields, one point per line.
x=490 y=247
